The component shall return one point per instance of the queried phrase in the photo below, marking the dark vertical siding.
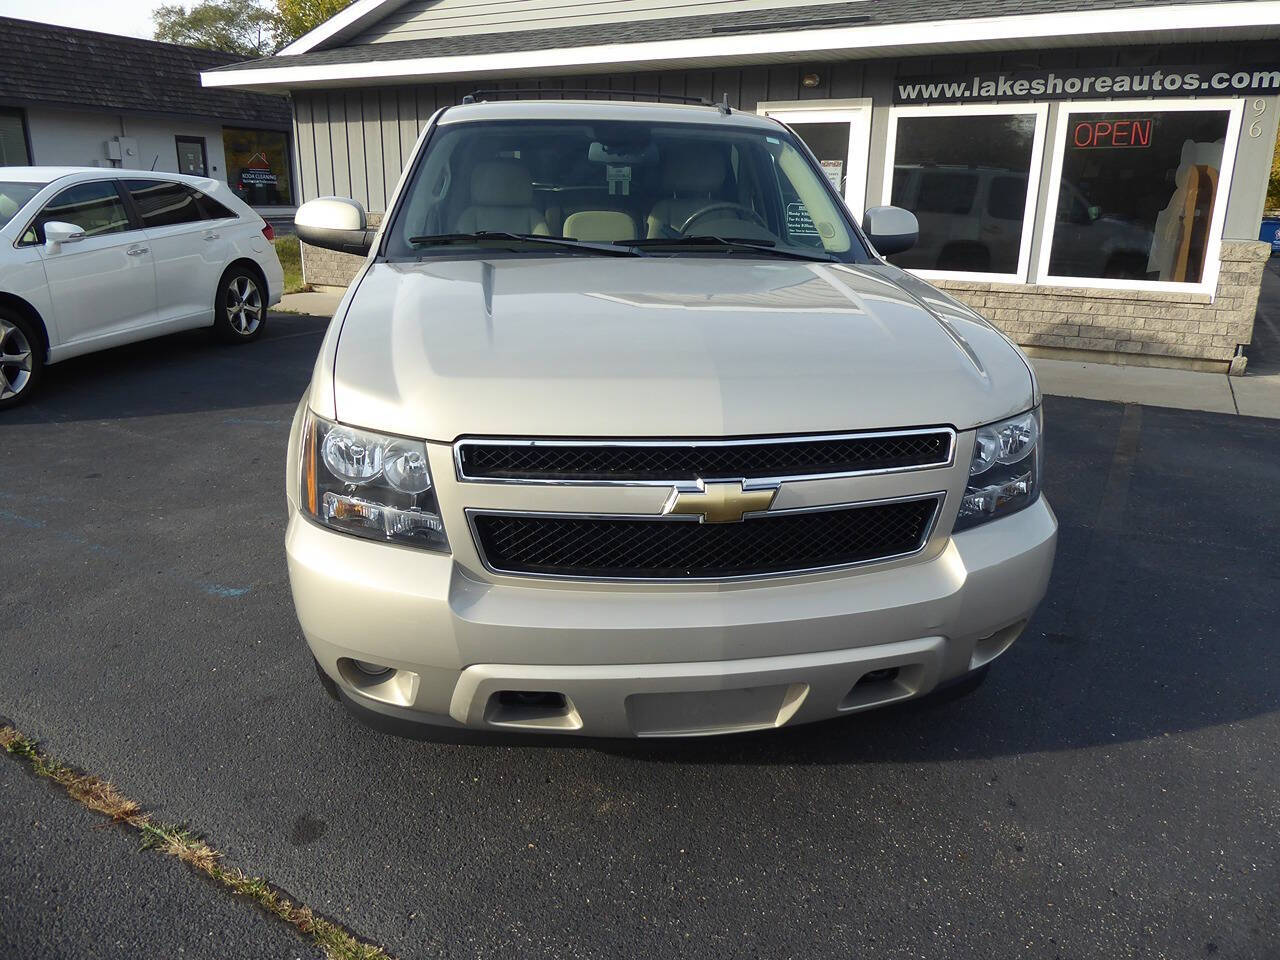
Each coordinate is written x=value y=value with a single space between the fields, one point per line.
x=324 y=144
x=373 y=148
x=410 y=122
x=338 y=128
x=304 y=144
x=754 y=87
x=355 y=147
x=389 y=113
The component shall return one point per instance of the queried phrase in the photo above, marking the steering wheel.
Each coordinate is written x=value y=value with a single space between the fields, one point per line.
x=711 y=208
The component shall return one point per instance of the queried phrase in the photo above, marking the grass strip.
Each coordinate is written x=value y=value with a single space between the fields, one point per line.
x=289 y=250
x=176 y=841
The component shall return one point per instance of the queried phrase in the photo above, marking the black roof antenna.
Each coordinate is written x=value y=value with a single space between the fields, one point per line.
x=724 y=105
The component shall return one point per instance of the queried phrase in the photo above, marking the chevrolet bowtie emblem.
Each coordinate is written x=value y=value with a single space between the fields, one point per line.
x=720 y=502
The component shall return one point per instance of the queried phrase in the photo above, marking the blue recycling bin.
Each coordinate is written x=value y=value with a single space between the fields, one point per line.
x=1270 y=233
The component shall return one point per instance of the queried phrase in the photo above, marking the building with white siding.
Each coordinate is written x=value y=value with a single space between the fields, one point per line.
x=81 y=98
x=1090 y=174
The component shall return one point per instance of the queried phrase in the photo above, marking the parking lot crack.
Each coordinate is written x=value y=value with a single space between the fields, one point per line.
x=335 y=940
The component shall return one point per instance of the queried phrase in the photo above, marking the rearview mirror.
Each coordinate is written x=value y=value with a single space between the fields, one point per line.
x=891 y=229
x=56 y=233
x=335 y=223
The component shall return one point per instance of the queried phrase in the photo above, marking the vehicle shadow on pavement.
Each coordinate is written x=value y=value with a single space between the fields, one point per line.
x=181 y=373
x=1160 y=617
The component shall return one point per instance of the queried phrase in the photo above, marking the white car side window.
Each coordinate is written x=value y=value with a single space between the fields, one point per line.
x=94 y=207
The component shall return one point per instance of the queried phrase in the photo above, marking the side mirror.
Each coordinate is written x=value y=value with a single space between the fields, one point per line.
x=891 y=229
x=56 y=233
x=335 y=223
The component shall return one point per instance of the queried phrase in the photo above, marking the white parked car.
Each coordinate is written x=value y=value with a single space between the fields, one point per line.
x=92 y=258
x=625 y=428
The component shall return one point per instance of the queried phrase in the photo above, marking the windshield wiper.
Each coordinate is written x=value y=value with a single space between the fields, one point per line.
x=767 y=247
x=484 y=236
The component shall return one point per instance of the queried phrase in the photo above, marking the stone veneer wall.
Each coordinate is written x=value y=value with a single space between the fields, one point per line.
x=1141 y=328
x=328 y=268
x=1153 y=329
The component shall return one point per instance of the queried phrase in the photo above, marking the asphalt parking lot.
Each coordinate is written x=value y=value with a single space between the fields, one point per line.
x=1112 y=791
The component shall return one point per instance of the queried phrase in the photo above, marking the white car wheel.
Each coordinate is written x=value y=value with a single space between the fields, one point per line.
x=20 y=360
x=241 y=306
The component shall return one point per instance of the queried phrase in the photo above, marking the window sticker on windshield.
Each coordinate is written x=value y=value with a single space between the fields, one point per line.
x=619 y=180
x=799 y=223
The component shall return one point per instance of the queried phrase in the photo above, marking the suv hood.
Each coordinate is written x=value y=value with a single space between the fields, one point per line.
x=664 y=347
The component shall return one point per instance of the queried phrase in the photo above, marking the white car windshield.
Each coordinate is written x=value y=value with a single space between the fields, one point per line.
x=550 y=187
x=14 y=196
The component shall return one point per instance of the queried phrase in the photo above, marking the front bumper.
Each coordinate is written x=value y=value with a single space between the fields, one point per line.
x=659 y=660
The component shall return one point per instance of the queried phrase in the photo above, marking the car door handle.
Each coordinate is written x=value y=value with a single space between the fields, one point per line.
x=136 y=251
x=212 y=236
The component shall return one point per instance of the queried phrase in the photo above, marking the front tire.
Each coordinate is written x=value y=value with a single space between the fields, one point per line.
x=21 y=358
x=240 y=310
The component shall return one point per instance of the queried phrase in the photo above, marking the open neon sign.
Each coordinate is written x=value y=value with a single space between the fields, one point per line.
x=1097 y=134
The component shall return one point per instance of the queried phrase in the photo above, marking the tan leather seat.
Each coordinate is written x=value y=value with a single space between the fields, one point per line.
x=693 y=180
x=600 y=226
x=501 y=201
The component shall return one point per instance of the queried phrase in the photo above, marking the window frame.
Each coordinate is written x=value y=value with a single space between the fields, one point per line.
x=294 y=199
x=228 y=213
x=859 y=114
x=136 y=207
x=1233 y=107
x=1035 y=169
x=21 y=114
x=180 y=139
x=126 y=201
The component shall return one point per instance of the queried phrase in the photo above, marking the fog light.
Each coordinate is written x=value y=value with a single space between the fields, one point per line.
x=370 y=669
x=880 y=676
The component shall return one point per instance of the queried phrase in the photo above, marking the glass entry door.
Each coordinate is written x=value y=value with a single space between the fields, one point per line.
x=840 y=137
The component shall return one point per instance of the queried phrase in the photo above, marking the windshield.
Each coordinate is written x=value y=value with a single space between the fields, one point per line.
x=664 y=190
x=14 y=196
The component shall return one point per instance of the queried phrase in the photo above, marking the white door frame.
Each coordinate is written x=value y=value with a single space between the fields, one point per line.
x=1234 y=108
x=856 y=113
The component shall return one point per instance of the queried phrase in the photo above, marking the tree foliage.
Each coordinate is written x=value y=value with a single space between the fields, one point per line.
x=236 y=26
x=296 y=17
x=246 y=27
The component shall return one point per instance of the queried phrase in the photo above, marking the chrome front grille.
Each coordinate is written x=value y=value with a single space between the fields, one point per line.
x=681 y=548
x=669 y=543
x=671 y=461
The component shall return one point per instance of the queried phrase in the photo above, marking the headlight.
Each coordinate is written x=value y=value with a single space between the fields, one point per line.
x=369 y=484
x=1004 y=474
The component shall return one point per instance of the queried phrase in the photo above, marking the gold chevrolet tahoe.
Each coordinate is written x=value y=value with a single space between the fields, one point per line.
x=625 y=428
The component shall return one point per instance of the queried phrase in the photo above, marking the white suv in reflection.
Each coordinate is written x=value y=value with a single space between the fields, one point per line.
x=972 y=221
x=91 y=258
x=625 y=428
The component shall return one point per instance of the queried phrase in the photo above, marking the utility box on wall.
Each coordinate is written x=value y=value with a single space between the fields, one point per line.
x=123 y=150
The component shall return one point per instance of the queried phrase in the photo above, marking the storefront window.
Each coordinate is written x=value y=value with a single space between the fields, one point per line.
x=1138 y=193
x=966 y=173
x=258 y=166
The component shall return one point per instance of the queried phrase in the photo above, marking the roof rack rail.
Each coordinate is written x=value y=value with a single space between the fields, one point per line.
x=478 y=96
